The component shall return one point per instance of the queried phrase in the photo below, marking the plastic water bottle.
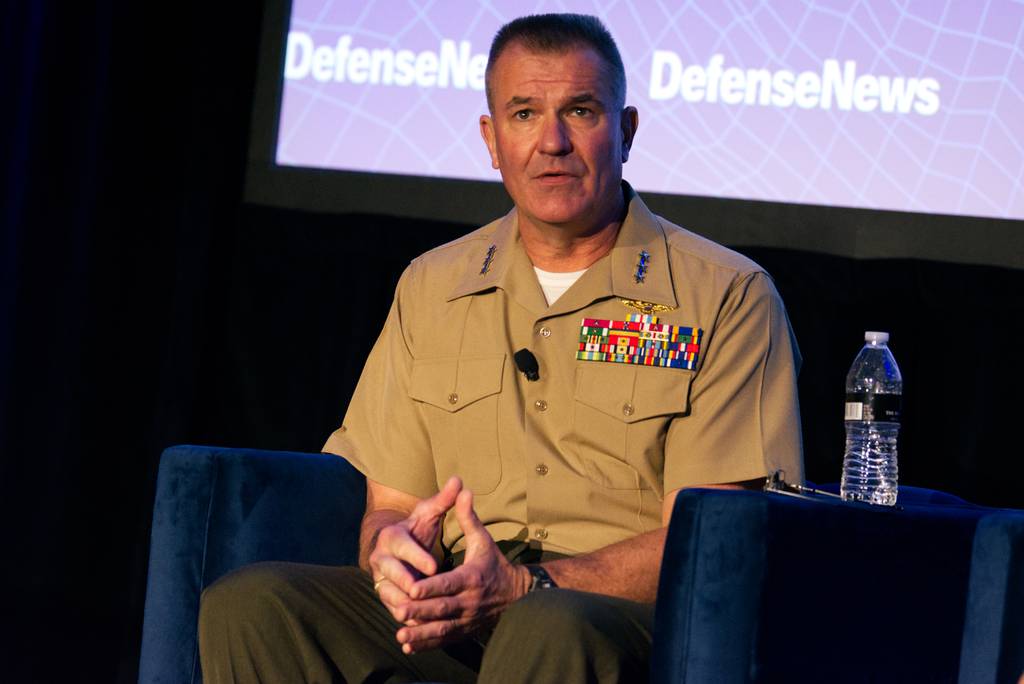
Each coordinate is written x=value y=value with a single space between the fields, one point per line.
x=873 y=390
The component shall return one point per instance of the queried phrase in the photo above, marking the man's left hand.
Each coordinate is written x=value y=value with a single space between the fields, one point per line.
x=451 y=606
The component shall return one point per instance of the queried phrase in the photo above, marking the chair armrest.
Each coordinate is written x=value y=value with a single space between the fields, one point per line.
x=766 y=587
x=993 y=645
x=218 y=509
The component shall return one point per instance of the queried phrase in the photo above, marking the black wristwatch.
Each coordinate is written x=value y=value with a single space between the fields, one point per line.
x=540 y=579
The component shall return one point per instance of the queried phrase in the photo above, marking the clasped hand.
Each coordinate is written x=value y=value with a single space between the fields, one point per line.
x=439 y=608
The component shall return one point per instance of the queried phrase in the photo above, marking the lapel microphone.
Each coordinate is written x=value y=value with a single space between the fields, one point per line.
x=526 y=362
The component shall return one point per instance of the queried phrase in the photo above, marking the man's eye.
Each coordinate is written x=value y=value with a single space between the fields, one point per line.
x=580 y=111
x=523 y=114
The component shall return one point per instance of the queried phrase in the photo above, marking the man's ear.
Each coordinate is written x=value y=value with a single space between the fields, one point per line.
x=628 y=121
x=487 y=133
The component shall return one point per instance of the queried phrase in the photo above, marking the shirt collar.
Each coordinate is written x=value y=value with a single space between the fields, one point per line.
x=641 y=231
x=510 y=269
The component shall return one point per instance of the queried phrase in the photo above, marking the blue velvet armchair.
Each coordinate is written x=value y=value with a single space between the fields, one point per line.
x=219 y=509
x=771 y=588
x=754 y=587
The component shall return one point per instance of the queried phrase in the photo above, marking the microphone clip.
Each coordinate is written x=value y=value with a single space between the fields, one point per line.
x=527 y=364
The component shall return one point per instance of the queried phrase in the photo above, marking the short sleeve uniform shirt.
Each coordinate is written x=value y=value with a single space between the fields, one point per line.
x=583 y=456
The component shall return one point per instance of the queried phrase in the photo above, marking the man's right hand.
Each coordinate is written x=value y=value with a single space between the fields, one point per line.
x=402 y=551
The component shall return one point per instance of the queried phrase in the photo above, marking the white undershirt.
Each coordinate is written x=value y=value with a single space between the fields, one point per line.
x=554 y=285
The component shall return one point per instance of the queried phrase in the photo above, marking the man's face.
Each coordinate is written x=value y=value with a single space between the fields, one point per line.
x=557 y=136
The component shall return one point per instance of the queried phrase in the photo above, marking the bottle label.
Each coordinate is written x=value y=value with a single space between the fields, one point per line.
x=882 y=408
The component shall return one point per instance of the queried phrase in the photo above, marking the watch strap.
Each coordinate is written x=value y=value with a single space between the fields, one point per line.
x=540 y=579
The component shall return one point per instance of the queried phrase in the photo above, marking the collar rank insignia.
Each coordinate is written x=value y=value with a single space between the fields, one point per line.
x=488 y=259
x=639 y=340
x=645 y=307
x=643 y=259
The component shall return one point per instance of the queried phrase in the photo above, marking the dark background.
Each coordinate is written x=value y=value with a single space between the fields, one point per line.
x=144 y=304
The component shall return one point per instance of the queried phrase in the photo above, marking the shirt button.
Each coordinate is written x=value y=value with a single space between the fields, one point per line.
x=541 y=533
x=627 y=409
x=541 y=469
x=453 y=398
x=545 y=332
x=541 y=405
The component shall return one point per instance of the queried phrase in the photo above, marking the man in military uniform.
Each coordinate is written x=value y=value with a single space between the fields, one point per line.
x=541 y=391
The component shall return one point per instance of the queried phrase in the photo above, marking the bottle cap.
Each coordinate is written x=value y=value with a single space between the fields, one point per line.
x=877 y=337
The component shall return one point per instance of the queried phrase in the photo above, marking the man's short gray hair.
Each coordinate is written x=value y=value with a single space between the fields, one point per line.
x=559 y=33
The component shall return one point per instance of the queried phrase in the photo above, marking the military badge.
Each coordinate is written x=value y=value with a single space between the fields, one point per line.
x=640 y=340
x=642 y=262
x=645 y=307
x=488 y=259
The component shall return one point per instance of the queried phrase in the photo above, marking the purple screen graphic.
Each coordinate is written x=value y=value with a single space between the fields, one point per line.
x=882 y=104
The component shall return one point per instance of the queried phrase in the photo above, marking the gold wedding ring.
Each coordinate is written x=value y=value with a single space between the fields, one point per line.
x=377 y=583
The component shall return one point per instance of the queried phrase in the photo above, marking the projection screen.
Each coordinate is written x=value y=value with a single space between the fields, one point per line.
x=886 y=108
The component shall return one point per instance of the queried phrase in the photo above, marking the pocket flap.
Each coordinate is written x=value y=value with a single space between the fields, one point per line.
x=632 y=393
x=454 y=383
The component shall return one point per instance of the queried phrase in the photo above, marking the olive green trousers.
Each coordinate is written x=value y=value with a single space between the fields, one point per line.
x=290 y=622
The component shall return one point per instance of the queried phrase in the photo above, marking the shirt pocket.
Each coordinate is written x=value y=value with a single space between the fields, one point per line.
x=621 y=417
x=459 y=401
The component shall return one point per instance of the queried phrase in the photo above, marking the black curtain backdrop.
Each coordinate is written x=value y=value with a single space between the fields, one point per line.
x=142 y=304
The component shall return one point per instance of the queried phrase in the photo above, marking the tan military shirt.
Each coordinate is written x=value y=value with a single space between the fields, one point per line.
x=582 y=457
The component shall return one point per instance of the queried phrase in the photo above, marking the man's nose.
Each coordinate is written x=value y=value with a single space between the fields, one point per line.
x=555 y=137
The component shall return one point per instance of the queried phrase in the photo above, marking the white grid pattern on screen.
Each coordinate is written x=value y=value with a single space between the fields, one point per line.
x=966 y=159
